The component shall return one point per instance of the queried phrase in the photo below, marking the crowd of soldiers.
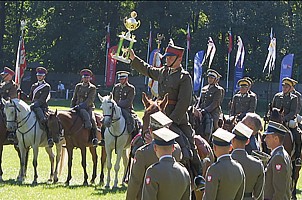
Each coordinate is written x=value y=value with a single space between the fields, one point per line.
x=158 y=170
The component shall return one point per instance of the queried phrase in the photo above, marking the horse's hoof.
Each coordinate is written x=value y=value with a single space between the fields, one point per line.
x=101 y=183
x=34 y=183
x=107 y=186
x=49 y=180
x=55 y=180
x=114 y=188
x=92 y=182
x=85 y=183
x=67 y=183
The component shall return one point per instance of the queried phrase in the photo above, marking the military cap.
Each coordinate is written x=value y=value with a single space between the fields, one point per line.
x=250 y=79
x=243 y=82
x=164 y=136
x=287 y=81
x=294 y=81
x=122 y=74
x=242 y=132
x=41 y=71
x=275 y=127
x=222 y=137
x=173 y=50
x=159 y=120
x=7 y=71
x=86 y=73
x=213 y=73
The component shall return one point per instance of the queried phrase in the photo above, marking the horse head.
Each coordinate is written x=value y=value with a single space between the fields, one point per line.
x=110 y=109
x=229 y=123
x=54 y=126
x=277 y=115
x=10 y=110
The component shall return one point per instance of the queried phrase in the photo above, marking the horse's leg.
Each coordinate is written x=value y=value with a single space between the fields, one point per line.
x=125 y=163
x=109 y=165
x=70 y=154
x=58 y=158
x=35 y=163
x=1 y=172
x=119 y=153
x=95 y=163
x=51 y=159
x=23 y=151
x=83 y=152
x=103 y=160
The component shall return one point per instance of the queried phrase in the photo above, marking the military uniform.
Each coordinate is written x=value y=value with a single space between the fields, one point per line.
x=83 y=101
x=166 y=179
x=178 y=84
x=8 y=90
x=123 y=95
x=225 y=179
x=144 y=157
x=253 y=168
x=211 y=98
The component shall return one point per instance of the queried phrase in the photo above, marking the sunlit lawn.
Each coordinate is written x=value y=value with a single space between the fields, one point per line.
x=11 y=190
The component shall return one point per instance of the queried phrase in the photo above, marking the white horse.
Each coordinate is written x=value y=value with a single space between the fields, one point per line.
x=29 y=133
x=116 y=136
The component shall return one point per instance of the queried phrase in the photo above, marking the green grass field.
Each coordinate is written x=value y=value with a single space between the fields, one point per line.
x=9 y=189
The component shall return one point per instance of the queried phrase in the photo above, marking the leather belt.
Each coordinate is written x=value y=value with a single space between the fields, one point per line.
x=172 y=102
x=248 y=194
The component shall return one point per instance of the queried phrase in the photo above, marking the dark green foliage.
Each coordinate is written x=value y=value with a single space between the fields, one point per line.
x=69 y=35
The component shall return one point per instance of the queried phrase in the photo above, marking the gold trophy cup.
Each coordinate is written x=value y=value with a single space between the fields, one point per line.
x=131 y=24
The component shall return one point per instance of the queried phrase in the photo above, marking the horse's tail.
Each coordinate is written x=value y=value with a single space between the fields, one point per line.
x=63 y=159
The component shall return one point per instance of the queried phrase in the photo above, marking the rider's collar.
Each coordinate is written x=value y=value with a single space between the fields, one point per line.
x=40 y=82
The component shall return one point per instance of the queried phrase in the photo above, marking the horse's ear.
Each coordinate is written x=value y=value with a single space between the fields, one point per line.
x=164 y=103
x=145 y=100
x=100 y=97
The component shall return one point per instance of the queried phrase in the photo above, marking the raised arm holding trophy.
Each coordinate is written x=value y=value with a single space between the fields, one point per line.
x=131 y=24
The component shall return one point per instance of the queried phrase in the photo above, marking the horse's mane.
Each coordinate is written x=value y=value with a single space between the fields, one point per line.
x=21 y=103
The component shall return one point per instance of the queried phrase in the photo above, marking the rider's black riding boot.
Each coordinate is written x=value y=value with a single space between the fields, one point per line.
x=297 y=139
x=196 y=164
x=49 y=138
x=94 y=141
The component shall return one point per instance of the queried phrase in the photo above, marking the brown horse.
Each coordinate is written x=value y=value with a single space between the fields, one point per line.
x=76 y=136
x=277 y=115
x=204 y=150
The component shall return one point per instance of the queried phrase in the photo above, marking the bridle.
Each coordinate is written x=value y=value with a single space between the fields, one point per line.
x=113 y=111
x=23 y=121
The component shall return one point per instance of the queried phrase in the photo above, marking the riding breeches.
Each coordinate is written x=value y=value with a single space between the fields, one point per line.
x=187 y=131
x=40 y=115
x=129 y=120
x=88 y=118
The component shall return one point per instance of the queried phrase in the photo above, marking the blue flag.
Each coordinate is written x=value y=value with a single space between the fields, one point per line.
x=197 y=70
x=238 y=75
x=286 y=68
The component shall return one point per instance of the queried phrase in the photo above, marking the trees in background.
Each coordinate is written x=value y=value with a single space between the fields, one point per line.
x=69 y=35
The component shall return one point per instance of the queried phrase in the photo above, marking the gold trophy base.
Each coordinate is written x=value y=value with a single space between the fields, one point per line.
x=121 y=58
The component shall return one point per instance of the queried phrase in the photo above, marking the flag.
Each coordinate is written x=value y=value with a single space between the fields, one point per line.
x=240 y=53
x=150 y=39
x=108 y=36
x=271 y=34
x=230 y=42
x=20 y=62
x=111 y=67
x=271 y=56
x=210 y=52
x=188 y=37
x=197 y=70
x=286 y=68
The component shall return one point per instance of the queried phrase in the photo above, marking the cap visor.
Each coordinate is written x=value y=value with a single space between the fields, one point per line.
x=40 y=74
x=168 y=54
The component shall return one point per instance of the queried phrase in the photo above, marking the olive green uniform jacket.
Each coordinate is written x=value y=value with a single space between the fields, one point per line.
x=254 y=174
x=225 y=180
x=123 y=95
x=178 y=83
x=243 y=103
x=8 y=90
x=84 y=93
x=289 y=102
x=298 y=94
x=278 y=176
x=167 y=180
x=144 y=157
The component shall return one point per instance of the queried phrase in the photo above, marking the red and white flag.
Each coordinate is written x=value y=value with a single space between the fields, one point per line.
x=230 y=42
x=20 y=62
x=271 y=56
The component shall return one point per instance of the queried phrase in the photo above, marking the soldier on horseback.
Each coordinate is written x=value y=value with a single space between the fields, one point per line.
x=289 y=102
x=82 y=102
x=244 y=101
x=210 y=101
x=8 y=90
x=123 y=94
x=39 y=96
x=177 y=82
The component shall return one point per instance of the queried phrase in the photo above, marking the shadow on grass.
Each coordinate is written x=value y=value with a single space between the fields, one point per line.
x=99 y=190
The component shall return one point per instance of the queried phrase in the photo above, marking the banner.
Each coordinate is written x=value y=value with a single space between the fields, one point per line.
x=20 y=62
x=111 y=67
x=237 y=76
x=197 y=70
x=155 y=61
x=210 y=52
x=286 y=68
x=239 y=67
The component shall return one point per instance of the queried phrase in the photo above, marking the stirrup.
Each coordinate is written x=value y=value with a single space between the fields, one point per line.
x=199 y=183
x=298 y=162
x=95 y=142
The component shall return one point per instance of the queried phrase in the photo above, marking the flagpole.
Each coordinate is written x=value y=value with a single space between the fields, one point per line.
x=187 y=56
x=107 y=49
x=148 y=51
